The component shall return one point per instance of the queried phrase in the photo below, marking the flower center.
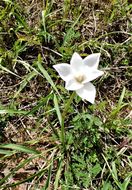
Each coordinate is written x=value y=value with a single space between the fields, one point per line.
x=80 y=78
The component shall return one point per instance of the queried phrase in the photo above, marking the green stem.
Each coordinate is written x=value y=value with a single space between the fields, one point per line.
x=68 y=104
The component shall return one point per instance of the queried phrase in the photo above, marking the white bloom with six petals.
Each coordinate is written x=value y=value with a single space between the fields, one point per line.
x=79 y=73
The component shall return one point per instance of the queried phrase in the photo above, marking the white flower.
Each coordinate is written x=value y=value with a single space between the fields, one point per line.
x=79 y=73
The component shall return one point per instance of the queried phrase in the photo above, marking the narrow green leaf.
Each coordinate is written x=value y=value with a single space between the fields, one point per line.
x=21 y=20
x=6 y=152
x=107 y=186
x=21 y=165
x=11 y=111
x=20 y=148
x=70 y=30
x=121 y=98
x=46 y=75
x=126 y=183
x=48 y=179
x=57 y=109
x=120 y=104
x=30 y=178
x=27 y=66
x=114 y=171
x=24 y=82
x=58 y=176
x=8 y=71
x=40 y=104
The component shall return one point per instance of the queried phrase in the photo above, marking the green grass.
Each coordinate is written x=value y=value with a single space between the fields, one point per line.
x=50 y=138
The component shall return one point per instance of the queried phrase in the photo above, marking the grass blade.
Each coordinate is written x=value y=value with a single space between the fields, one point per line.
x=20 y=148
x=126 y=182
x=49 y=178
x=24 y=82
x=58 y=175
x=57 y=109
x=7 y=70
x=11 y=111
x=6 y=152
x=46 y=75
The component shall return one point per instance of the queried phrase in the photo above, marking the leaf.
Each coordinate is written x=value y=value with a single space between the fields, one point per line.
x=114 y=171
x=25 y=81
x=46 y=75
x=40 y=104
x=20 y=165
x=120 y=104
x=58 y=176
x=6 y=152
x=11 y=111
x=96 y=169
x=107 y=186
x=126 y=183
x=70 y=33
x=57 y=109
x=49 y=178
x=121 y=98
x=20 y=148
x=7 y=70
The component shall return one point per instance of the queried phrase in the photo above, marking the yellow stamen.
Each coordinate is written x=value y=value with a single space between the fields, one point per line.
x=80 y=78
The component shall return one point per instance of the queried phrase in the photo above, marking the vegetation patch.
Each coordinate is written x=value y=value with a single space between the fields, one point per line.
x=51 y=139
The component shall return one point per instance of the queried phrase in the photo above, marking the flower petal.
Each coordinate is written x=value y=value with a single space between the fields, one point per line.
x=76 y=63
x=64 y=70
x=89 y=76
x=87 y=92
x=92 y=60
x=73 y=85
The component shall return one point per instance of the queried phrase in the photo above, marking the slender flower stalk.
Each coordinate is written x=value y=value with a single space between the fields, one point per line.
x=63 y=119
